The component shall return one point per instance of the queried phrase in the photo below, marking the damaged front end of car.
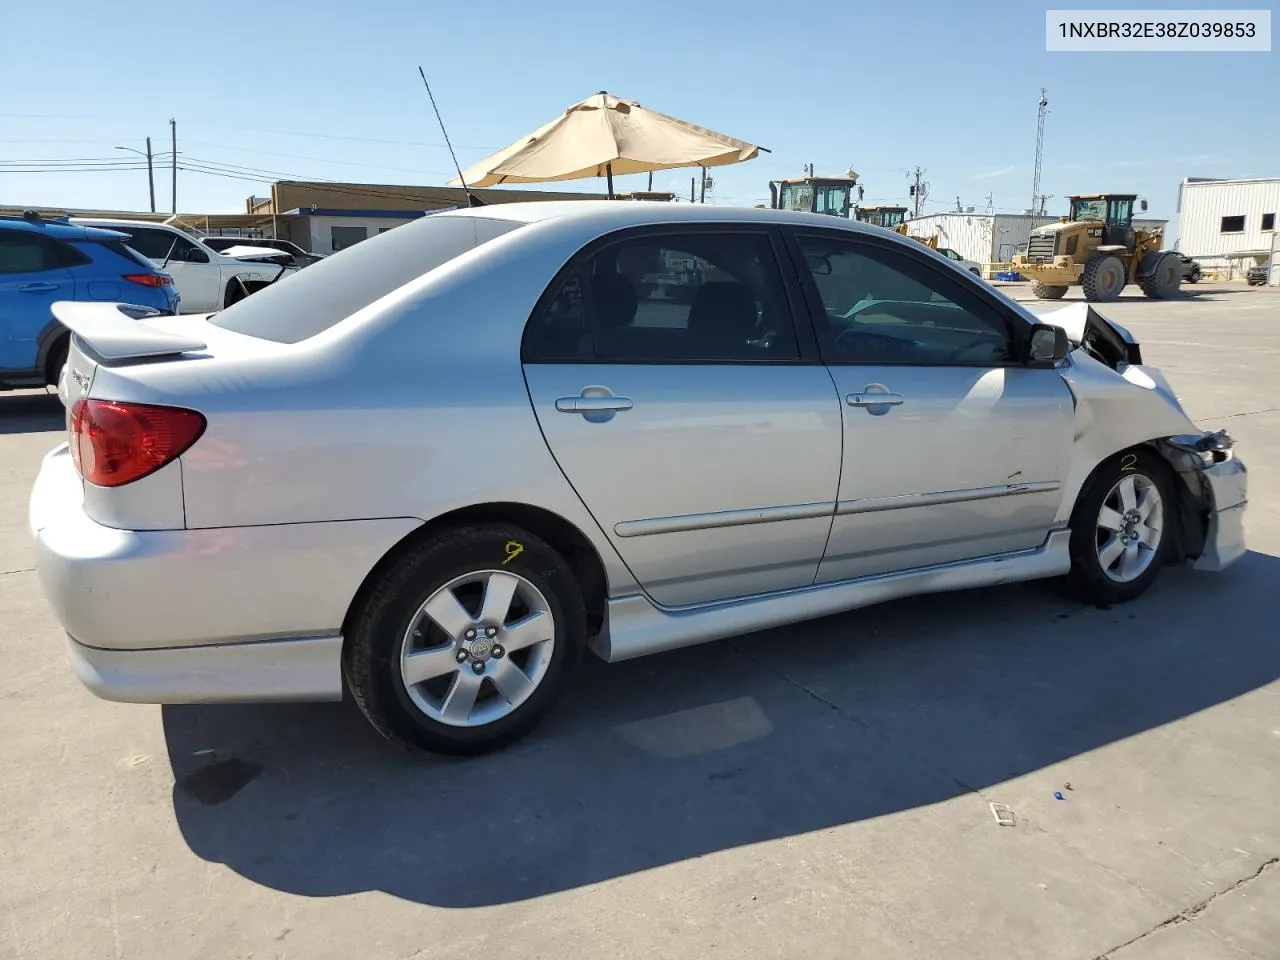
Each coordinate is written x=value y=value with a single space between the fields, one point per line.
x=1122 y=404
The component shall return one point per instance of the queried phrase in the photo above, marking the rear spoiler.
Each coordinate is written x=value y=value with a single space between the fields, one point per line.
x=118 y=331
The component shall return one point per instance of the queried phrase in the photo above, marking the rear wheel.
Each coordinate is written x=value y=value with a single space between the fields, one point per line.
x=1103 y=278
x=467 y=641
x=1165 y=279
x=1047 y=291
x=1122 y=528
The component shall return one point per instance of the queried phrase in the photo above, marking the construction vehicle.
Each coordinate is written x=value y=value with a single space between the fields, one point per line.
x=833 y=196
x=930 y=242
x=891 y=218
x=1097 y=247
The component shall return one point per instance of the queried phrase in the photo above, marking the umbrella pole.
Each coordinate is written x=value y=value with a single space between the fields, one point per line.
x=608 y=172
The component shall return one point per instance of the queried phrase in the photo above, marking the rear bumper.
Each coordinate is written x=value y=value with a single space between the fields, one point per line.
x=264 y=671
x=179 y=616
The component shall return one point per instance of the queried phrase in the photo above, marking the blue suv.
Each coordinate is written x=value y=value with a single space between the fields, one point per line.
x=44 y=261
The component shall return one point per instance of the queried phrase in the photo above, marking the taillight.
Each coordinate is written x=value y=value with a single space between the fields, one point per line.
x=148 y=279
x=114 y=443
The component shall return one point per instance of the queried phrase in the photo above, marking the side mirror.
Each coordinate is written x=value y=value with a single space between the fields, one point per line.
x=1142 y=205
x=196 y=255
x=1047 y=344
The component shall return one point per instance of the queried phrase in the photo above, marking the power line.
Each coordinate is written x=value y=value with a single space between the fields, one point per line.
x=234 y=126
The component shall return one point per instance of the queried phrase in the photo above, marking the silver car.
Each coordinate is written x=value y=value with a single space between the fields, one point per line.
x=437 y=467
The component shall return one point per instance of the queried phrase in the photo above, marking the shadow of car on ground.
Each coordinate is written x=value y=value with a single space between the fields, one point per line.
x=770 y=735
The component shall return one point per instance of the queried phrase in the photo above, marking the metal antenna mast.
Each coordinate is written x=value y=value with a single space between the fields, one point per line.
x=1044 y=109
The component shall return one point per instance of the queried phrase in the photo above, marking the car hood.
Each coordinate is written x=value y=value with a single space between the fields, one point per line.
x=254 y=253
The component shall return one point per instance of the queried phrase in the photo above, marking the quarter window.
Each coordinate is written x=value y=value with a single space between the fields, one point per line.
x=670 y=299
x=154 y=244
x=884 y=306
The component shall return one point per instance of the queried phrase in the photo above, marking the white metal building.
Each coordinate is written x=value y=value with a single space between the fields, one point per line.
x=1221 y=217
x=988 y=237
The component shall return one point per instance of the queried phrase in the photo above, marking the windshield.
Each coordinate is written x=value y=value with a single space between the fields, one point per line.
x=1089 y=210
x=797 y=196
x=336 y=287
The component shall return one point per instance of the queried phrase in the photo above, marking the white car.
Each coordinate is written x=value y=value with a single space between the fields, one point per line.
x=971 y=265
x=206 y=279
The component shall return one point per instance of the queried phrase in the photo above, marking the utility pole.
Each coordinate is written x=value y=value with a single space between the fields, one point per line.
x=173 y=133
x=1042 y=198
x=959 y=209
x=1044 y=109
x=702 y=191
x=693 y=182
x=990 y=207
x=919 y=190
x=151 y=177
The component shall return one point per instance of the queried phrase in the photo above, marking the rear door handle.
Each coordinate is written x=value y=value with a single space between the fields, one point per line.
x=38 y=287
x=874 y=399
x=593 y=404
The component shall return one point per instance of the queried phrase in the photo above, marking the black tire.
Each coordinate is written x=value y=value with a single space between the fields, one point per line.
x=1103 y=279
x=976 y=272
x=1194 y=275
x=1047 y=291
x=376 y=631
x=57 y=360
x=1088 y=579
x=1165 y=279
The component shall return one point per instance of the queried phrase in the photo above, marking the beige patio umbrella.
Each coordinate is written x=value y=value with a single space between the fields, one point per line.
x=602 y=136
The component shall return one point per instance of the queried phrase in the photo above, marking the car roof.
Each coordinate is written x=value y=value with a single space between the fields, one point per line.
x=614 y=214
x=126 y=224
x=59 y=229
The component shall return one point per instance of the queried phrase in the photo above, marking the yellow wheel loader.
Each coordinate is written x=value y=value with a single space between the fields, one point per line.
x=1097 y=247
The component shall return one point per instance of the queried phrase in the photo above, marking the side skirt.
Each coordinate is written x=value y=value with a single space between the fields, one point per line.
x=635 y=627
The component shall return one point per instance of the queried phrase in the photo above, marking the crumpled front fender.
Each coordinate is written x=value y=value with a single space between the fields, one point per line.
x=1115 y=411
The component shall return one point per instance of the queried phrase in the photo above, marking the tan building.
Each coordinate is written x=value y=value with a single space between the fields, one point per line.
x=325 y=217
x=322 y=217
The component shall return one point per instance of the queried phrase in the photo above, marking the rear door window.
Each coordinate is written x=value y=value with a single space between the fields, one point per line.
x=336 y=287
x=22 y=252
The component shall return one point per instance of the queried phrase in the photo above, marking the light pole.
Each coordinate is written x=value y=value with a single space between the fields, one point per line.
x=151 y=181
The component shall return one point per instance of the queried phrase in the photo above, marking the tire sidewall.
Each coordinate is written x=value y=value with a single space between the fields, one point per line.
x=414 y=582
x=1087 y=575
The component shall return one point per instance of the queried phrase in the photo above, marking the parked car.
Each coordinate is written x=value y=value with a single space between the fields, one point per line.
x=1191 y=272
x=444 y=463
x=971 y=265
x=298 y=257
x=43 y=261
x=1257 y=275
x=206 y=279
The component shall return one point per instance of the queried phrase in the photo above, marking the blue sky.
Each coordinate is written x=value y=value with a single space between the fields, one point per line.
x=882 y=87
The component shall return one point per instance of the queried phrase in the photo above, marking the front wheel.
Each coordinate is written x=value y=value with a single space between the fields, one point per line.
x=1047 y=291
x=1121 y=530
x=1103 y=278
x=467 y=641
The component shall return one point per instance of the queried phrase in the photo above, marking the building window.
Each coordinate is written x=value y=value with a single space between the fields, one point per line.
x=1232 y=225
x=343 y=237
x=1268 y=221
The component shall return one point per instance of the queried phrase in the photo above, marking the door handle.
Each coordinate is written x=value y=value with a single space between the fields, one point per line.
x=874 y=399
x=38 y=287
x=593 y=404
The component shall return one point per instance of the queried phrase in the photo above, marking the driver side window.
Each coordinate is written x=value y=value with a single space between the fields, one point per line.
x=884 y=306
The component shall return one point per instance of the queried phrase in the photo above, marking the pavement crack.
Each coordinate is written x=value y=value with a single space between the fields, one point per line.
x=792 y=682
x=1248 y=413
x=1193 y=911
x=5 y=573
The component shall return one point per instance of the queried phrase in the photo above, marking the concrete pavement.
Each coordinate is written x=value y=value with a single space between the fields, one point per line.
x=820 y=790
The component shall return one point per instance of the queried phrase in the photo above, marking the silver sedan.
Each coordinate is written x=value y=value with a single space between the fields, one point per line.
x=435 y=468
